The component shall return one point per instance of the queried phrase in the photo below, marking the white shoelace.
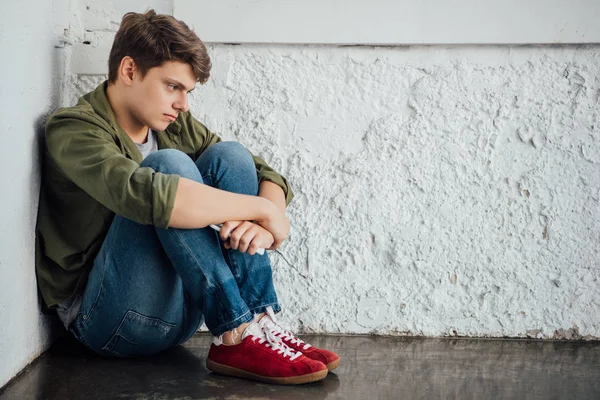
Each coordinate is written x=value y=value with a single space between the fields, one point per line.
x=271 y=325
x=265 y=337
x=276 y=344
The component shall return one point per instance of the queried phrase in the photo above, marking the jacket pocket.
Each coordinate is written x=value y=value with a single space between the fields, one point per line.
x=139 y=335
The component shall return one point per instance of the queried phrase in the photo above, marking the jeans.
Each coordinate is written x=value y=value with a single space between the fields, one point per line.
x=151 y=288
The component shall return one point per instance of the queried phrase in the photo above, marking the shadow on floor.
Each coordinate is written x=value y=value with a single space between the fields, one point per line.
x=371 y=368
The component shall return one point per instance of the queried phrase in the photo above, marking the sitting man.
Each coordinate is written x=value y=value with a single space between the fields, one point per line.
x=132 y=183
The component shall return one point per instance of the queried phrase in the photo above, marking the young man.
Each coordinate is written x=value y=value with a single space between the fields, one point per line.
x=131 y=184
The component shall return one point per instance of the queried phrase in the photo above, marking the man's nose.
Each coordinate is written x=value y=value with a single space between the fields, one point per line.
x=182 y=102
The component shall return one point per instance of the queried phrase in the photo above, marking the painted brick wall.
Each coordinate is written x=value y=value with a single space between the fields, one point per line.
x=439 y=190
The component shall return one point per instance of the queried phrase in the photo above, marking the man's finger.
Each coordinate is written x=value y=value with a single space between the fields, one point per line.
x=227 y=228
x=249 y=236
x=237 y=234
x=252 y=249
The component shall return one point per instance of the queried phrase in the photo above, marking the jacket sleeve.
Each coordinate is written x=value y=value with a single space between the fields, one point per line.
x=266 y=173
x=263 y=171
x=89 y=156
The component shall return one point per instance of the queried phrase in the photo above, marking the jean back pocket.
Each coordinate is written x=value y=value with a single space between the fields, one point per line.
x=139 y=335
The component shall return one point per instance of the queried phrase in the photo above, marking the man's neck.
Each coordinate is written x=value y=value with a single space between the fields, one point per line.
x=132 y=127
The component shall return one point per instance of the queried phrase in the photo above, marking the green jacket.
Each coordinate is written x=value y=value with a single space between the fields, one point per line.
x=92 y=172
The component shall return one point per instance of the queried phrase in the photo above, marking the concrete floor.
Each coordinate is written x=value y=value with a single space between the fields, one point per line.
x=371 y=368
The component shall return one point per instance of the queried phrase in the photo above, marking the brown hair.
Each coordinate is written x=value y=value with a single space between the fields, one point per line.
x=151 y=39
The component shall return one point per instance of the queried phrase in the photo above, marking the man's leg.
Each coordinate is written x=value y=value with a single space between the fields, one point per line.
x=138 y=303
x=229 y=166
x=149 y=287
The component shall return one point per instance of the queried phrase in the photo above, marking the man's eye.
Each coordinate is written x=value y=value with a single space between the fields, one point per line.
x=172 y=87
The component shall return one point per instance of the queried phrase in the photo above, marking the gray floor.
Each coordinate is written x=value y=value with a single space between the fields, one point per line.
x=371 y=368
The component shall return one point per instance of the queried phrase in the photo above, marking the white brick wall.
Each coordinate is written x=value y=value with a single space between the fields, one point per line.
x=439 y=190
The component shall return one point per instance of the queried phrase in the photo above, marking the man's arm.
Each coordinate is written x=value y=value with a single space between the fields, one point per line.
x=198 y=205
x=218 y=206
x=240 y=234
x=274 y=193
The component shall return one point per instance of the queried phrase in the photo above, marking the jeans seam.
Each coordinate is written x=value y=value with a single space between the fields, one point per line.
x=212 y=178
x=95 y=302
x=271 y=303
x=116 y=333
x=78 y=335
x=190 y=252
x=90 y=312
x=218 y=328
x=233 y=265
x=133 y=317
x=184 y=318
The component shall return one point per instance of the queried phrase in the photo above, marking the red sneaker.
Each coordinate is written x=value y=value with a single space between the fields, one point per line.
x=269 y=324
x=262 y=357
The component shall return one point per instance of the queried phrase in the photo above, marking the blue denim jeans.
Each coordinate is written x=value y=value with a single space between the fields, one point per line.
x=150 y=288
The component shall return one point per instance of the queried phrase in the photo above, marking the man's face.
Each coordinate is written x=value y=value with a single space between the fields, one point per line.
x=156 y=99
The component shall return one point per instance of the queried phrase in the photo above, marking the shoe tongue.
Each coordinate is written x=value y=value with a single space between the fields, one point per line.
x=266 y=322
x=254 y=330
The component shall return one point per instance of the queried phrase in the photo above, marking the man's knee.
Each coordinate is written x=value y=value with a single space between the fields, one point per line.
x=232 y=154
x=171 y=161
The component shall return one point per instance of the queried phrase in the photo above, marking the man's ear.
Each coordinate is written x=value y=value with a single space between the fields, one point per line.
x=127 y=70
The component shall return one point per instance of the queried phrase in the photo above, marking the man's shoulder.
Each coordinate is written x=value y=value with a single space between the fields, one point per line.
x=81 y=115
x=78 y=111
x=91 y=109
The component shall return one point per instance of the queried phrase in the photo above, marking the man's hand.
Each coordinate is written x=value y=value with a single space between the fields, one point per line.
x=268 y=233
x=279 y=226
x=276 y=221
x=245 y=236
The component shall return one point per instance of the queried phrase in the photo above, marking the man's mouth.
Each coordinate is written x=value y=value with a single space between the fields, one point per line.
x=171 y=117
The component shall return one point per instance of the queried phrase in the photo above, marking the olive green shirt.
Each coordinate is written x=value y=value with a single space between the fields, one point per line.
x=91 y=171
